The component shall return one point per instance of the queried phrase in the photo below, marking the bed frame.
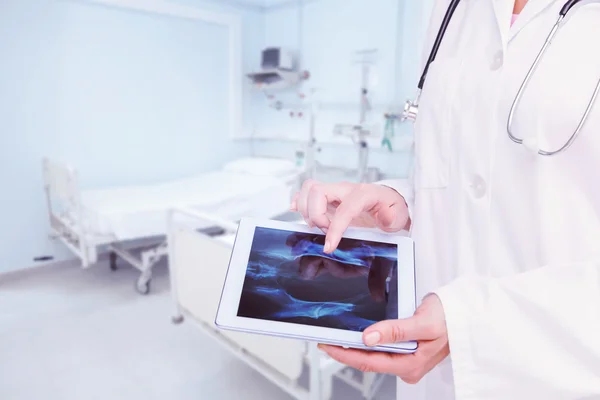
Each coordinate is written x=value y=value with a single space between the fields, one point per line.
x=198 y=265
x=67 y=224
x=63 y=198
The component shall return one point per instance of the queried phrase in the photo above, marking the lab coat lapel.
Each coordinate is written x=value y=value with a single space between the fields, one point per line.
x=503 y=10
x=533 y=9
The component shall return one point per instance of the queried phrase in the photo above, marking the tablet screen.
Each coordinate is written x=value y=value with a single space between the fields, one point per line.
x=290 y=279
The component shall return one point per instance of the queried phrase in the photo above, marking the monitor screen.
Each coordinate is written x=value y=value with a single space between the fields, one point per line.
x=290 y=279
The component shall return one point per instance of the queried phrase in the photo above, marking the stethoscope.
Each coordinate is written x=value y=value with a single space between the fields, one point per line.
x=411 y=109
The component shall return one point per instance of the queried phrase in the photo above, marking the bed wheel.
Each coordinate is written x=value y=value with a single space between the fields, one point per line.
x=142 y=287
x=177 y=320
x=113 y=261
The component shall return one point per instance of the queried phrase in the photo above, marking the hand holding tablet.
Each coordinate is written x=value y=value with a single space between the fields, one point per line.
x=281 y=282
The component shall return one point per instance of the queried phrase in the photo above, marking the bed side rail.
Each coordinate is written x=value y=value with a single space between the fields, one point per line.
x=226 y=225
x=198 y=266
x=174 y=226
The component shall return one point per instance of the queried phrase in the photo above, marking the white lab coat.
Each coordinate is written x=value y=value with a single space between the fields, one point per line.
x=508 y=240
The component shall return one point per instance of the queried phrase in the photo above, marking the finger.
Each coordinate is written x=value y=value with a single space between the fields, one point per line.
x=366 y=361
x=392 y=215
x=302 y=201
x=391 y=218
x=396 y=331
x=317 y=206
x=294 y=202
x=349 y=209
x=331 y=209
x=323 y=201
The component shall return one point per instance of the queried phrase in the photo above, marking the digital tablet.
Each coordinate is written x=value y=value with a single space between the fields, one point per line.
x=281 y=283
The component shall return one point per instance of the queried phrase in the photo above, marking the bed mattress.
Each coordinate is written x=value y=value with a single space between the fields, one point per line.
x=136 y=212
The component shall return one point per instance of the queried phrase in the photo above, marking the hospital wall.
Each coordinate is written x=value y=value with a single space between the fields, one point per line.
x=126 y=97
x=324 y=35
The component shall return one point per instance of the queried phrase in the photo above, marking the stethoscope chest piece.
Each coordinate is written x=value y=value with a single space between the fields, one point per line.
x=411 y=110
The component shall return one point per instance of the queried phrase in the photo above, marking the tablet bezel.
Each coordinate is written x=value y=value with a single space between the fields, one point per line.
x=228 y=319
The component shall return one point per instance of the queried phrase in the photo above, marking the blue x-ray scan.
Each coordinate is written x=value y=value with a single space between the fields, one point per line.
x=290 y=279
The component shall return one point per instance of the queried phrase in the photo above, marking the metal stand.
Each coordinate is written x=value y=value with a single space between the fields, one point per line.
x=148 y=260
x=360 y=132
x=113 y=261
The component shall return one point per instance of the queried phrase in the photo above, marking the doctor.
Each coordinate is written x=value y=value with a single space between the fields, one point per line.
x=507 y=239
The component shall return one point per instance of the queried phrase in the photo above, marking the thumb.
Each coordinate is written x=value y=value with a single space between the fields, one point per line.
x=397 y=331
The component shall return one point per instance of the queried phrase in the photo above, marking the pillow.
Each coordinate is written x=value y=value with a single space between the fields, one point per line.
x=262 y=166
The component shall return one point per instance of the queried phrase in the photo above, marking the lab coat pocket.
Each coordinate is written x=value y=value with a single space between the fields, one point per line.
x=433 y=127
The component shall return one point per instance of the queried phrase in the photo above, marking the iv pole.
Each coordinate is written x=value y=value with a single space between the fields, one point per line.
x=360 y=132
x=365 y=107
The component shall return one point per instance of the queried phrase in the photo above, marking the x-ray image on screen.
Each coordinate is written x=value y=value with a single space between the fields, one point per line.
x=290 y=279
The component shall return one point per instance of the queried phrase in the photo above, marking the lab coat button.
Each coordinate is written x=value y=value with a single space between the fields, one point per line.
x=478 y=187
x=498 y=61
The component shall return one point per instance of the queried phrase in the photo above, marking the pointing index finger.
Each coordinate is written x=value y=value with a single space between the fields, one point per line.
x=349 y=209
x=317 y=206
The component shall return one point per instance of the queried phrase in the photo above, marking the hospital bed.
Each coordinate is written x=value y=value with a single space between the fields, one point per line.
x=115 y=219
x=198 y=263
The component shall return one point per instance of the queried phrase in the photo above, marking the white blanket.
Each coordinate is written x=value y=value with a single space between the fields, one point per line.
x=135 y=212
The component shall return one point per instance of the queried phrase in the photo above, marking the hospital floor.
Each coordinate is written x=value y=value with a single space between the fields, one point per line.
x=73 y=334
